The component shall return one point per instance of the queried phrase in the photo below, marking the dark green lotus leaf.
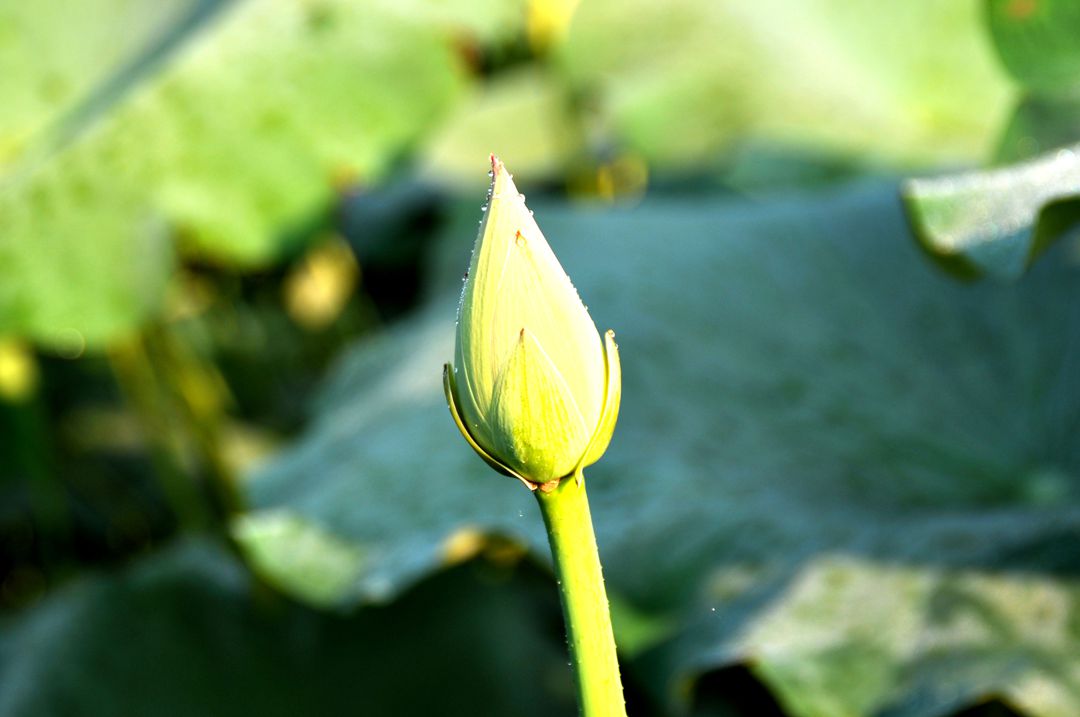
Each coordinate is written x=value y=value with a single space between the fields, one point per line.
x=187 y=632
x=798 y=383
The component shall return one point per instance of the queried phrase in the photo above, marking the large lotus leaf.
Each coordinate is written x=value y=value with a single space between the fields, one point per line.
x=997 y=221
x=913 y=82
x=236 y=132
x=797 y=381
x=186 y=632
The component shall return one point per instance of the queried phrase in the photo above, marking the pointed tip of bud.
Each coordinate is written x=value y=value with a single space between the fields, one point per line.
x=502 y=184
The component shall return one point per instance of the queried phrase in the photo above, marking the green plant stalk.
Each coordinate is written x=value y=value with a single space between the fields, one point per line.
x=584 y=600
x=139 y=383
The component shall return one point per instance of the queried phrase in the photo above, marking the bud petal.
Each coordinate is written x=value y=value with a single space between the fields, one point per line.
x=537 y=426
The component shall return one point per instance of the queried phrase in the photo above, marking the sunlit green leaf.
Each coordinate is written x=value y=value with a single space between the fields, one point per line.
x=847 y=636
x=521 y=116
x=294 y=554
x=54 y=55
x=1036 y=40
x=242 y=129
x=997 y=221
x=680 y=79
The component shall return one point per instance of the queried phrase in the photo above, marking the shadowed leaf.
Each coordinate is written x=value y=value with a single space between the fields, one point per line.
x=186 y=632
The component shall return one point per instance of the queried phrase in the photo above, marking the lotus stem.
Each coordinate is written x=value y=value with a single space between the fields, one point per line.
x=584 y=600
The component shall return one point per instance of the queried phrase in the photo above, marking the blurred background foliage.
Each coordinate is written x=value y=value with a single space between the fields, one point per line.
x=836 y=242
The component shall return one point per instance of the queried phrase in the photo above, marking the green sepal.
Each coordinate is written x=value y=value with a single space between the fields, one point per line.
x=450 y=389
x=610 y=413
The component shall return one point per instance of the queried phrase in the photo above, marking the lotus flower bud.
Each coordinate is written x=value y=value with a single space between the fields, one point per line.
x=533 y=388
